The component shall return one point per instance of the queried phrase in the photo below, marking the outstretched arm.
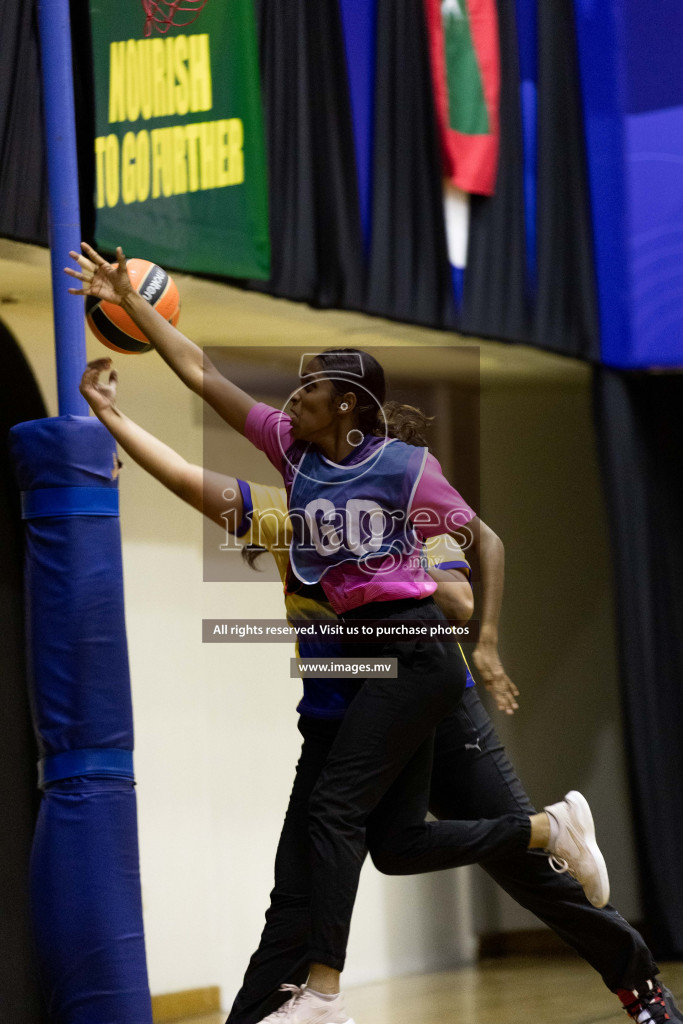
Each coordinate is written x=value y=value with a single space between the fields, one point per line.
x=488 y=556
x=110 y=281
x=214 y=494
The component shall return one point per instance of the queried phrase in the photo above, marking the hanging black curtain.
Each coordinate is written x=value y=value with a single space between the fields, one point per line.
x=409 y=276
x=494 y=302
x=566 y=316
x=23 y=173
x=20 y=998
x=84 y=97
x=562 y=314
x=314 y=212
x=641 y=438
x=23 y=188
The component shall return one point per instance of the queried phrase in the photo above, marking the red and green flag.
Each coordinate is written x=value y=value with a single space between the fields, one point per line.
x=465 y=61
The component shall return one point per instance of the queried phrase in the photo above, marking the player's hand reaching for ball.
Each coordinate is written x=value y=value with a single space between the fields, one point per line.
x=108 y=281
x=99 y=394
x=496 y=681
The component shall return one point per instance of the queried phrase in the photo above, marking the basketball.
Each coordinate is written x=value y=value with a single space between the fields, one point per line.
x=114 y=328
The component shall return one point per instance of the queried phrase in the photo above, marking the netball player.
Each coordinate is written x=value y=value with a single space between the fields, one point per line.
x=384 y=741
x=470 y=769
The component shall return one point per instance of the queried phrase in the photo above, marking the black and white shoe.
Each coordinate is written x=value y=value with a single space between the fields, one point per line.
x=652 y=1004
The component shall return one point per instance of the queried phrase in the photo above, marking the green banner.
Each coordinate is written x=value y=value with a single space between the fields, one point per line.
x=179 y=149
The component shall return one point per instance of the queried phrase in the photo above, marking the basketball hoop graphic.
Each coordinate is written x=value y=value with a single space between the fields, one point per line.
x=166 y=13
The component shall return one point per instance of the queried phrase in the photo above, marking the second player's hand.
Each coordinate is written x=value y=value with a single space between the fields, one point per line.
x=103 y=280
x=99 y=394
x=496 y=681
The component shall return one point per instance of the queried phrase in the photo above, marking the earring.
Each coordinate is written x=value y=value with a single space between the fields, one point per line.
x=344 y=406
x=355 y=437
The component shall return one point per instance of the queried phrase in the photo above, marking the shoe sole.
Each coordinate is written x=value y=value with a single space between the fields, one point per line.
x=582 y=811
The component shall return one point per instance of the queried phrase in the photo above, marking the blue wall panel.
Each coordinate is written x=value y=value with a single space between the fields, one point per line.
x=632 y=93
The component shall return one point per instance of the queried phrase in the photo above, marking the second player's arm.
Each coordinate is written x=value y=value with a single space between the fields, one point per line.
x=216 y=495
x=487 y=556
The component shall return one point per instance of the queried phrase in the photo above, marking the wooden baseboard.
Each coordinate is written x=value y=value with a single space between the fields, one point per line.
x=525 y=942
x=190 y=1003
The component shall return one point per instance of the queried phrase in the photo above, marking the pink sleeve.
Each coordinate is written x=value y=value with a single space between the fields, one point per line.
x=270 y=431
x=437 y=507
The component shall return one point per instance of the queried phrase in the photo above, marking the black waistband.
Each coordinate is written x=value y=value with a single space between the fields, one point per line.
x=383 y=609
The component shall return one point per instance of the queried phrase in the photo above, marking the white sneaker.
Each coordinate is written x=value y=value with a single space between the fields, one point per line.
x=575 y=849
x=307 y=1007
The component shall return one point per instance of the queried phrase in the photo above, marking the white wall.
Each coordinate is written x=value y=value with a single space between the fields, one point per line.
x=541 y=492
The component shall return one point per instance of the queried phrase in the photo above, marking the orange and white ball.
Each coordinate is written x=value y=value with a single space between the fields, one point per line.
x=114 y=328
